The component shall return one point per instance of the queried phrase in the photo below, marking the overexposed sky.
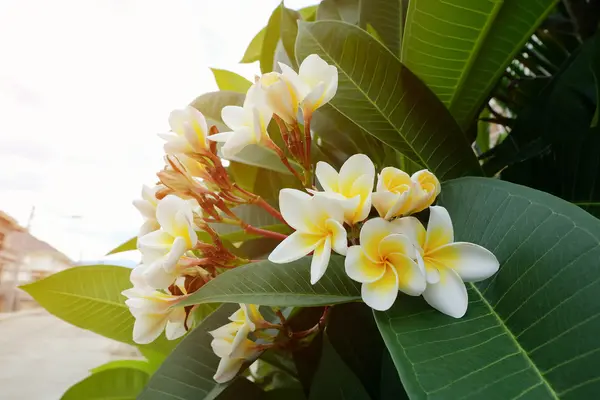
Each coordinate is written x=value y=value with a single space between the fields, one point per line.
x=85 y=85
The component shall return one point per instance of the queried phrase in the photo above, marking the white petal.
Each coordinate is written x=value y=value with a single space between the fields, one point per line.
x=320 y=260
x=362 y=187
x=397 y=243
x=148 y=327
x=176 y=324
x=327 y=177
x=237 y=142
x=239 y=342
x=154 y=241
x=321 y=209
x=147 y=209
x=291 y=76
x=227 y=331
x=449 y=295
x=150 y=225
x=167 y=210
x=371 y=234
x=294 y=247
x=339 y=236
x=293 y=205
x=360 y=268
x=228 y=369
x=472 y=262
x=313 y=100
x=234 y=117
x=439 y=228
x=331 y=85
x=157 y=277
x=411 y=279
x=221 y=346
x=386 y=203
x=413 y=228
x=381 y=294
x=355 y=167
x=220 y=137
x=314 y=69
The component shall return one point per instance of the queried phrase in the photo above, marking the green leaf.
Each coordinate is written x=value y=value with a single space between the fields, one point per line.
x=386 y=100
x=272 y=35
x=443 y=39
x=116 y=383
x=308 y=13
x=280 y=285
x=129 y=245
x=227 y=80
x=154 y=358
x=340 y=10
x=132 y=364
x=254 y=216
x=288 y=31
x=385 y=18
x=334 y=380
x=461 y=48
x=188 y=371
x=531 y=331
x=254 y=48
x=90 y=297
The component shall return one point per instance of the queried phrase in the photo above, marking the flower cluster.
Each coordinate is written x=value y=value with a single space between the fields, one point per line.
x=393 y=252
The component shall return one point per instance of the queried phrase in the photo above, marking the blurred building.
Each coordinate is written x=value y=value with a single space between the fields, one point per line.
x=23 y=259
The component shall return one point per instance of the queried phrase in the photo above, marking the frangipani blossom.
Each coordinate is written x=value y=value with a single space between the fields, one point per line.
x=399 y=194
x=384 y=263
x=318 y=222
x=162 y=249
x=315 y=83
x=147 y=207
x=281 y=96
x=154 y=312
x=231 y=341
x=248 y=124
x=352 y=186
x=447 y=263
x=188 y=132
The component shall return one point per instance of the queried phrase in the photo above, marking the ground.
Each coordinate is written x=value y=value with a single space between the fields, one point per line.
x=41 y=356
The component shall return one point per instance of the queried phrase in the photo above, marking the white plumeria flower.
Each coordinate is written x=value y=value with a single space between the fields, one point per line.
x=162 y=249
x=352 y=186
x=314 y=85
x=147 y=207
x=447 y=263
x=318 y=222
x=188 y=132
x=281 y=96
x=231 y=341
x=399 y=194
x=248 y=124
x=154 y=312
x=384 y=263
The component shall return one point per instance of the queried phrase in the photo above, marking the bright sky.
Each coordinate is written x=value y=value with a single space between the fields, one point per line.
x=85 y=86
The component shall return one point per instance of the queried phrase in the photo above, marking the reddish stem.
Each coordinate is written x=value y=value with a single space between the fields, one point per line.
x=307 y=141
x=263 y=232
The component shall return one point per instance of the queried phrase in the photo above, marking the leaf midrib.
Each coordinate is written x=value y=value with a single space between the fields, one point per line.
x=84 y=297
x=422 y=160
x=515 y=342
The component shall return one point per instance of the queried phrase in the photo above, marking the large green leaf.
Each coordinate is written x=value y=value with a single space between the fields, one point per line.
x=334 y=380
x=142 y=365
x=531 y=331
x=461 y=48
x=386 y=18
x=280 y=285
x=227 y=80
x=129 y=245
x=340 y=10
x=115 y=383
x=381 y=96
x=90 y=297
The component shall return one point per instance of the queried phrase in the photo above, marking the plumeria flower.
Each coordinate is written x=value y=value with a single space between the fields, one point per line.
x=162 y=249
x=147 y=207
x=248 y=124
x=154 y=312
x=352 y=186
x=281 y=96
x=188 y=132
x=399 y=194
x=231 y=342
x=318 y=222
x=447 y=263
x=314 y=85
x=384 y=263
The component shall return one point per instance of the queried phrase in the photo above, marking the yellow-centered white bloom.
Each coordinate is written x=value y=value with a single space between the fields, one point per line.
x=315 y=83
x=231 y=342
x=188 y=132
x=399 y=194
x=281 y=96
x=384 y=263
x=248 y=124
x=447 y=263
x=147 y=207
x=162 y=249
x=352 y=186
x=318 y=222
x=154 y=312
